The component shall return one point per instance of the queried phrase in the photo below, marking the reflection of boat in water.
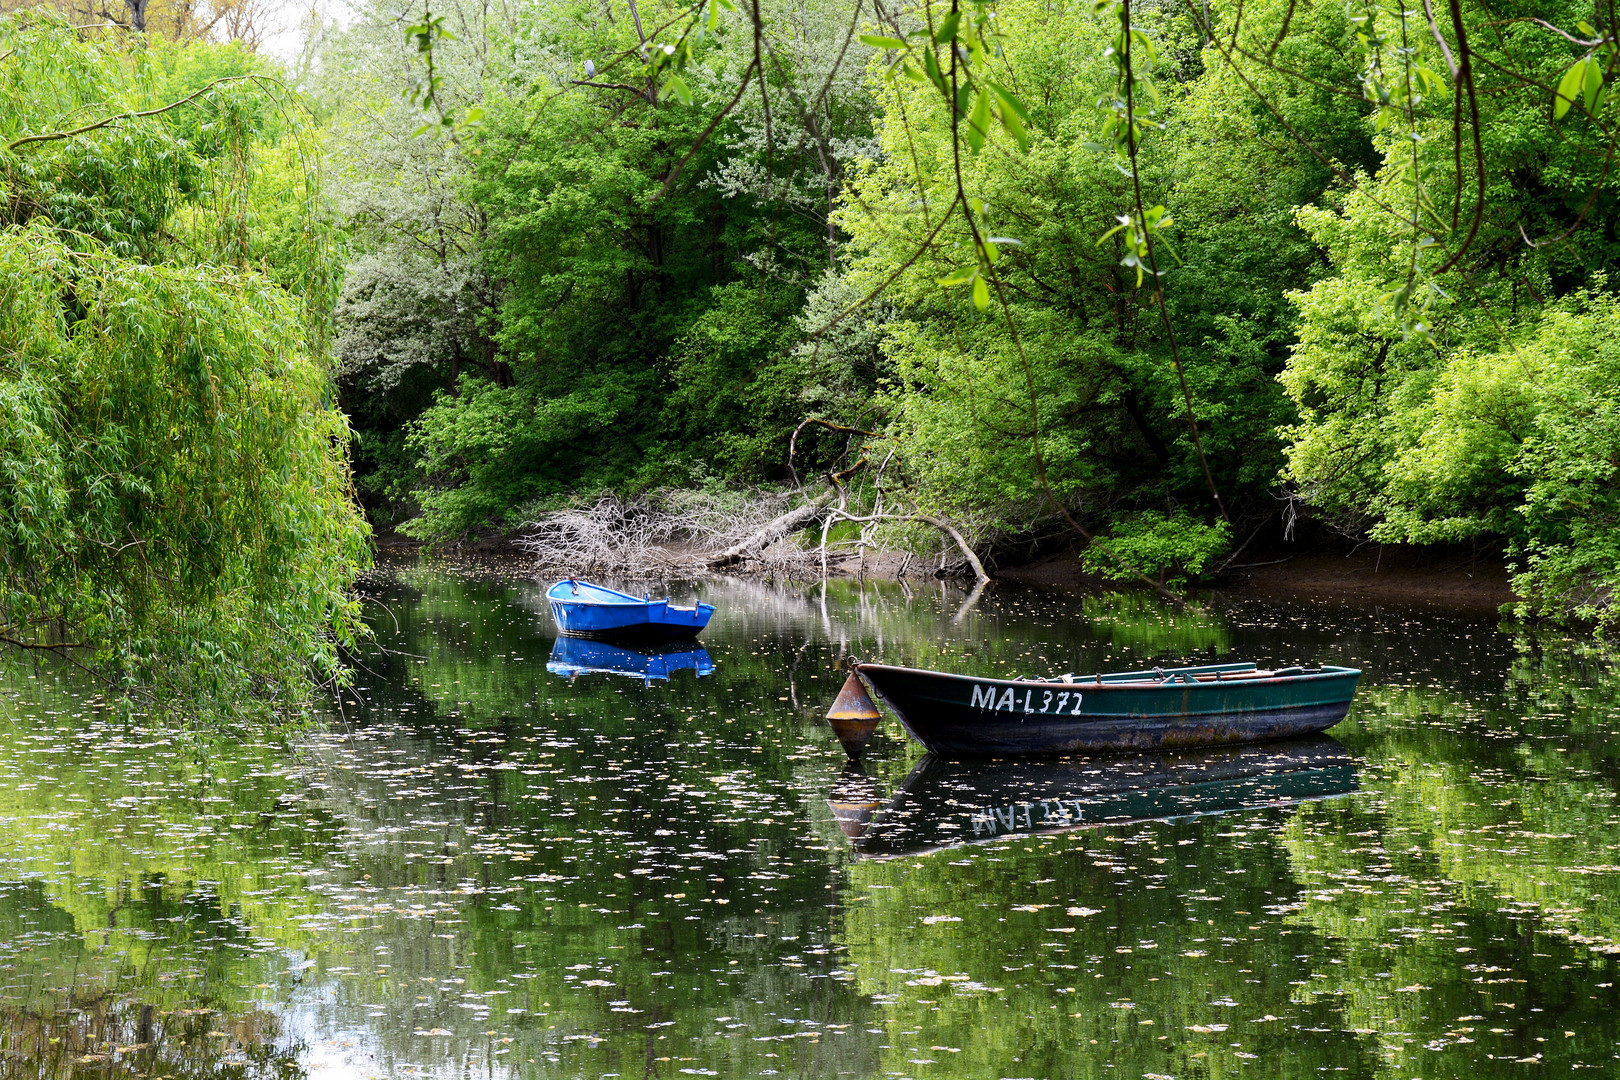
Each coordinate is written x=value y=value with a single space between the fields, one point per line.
x=945 y=803
x=573 y=656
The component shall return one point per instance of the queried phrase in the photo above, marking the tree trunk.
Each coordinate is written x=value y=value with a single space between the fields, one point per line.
x=795 y=520
x=962 y=545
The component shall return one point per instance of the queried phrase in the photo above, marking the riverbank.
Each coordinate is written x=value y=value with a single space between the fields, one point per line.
x=1450 y=577
x=1328 y=569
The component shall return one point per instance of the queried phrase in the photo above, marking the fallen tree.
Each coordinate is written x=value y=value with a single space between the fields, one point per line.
x=744 y=531
x=778 y=528
x=750 y=530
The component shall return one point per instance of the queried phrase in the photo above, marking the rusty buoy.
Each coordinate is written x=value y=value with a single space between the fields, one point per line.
x=853 y=716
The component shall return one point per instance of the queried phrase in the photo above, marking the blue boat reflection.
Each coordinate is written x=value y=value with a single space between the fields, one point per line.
x=945 y=803
x=572 y=656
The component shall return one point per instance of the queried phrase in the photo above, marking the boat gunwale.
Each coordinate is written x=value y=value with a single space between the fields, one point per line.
x=628 y=601
x=1091 y=685
x=573 y=598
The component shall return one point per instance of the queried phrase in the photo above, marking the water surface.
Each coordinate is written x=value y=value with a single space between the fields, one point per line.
x=496 y=856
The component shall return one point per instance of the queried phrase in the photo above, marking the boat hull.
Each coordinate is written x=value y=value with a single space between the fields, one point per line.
x=963 y=716
x=592 y=611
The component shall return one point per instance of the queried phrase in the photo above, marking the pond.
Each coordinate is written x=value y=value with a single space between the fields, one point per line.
x=502 y=857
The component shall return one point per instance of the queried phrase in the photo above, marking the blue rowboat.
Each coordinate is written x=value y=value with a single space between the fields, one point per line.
x=573 y=656
x=968 y=716
x=587 y=610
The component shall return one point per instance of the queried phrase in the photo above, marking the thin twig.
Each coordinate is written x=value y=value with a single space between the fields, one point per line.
x=1465 y=75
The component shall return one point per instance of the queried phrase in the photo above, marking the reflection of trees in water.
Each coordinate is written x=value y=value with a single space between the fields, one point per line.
x=1123 y=952
x=152 y=988
x=1474 y=893
x=1148 y=627
x=473 y=649
x=847 y=612
x=1436 y=949
x=1516 y=793
x=1576 y=683
x=455 y=818
x=1460 y=916
x=107 y=1034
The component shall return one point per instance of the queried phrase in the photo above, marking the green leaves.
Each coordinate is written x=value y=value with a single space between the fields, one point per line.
x=666 y=61
x=963 y=79
x=1167 y=547
x=1138 y=234
x=1011 y=112
x=971 y=276
x=979 y=285
x=676 y=85
x=174 y=489
x=978 y=122
x=425 y=91
x=932 y=70
x=1583 y=82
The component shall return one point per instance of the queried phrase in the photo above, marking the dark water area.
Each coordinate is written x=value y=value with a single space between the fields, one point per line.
x=496 y=856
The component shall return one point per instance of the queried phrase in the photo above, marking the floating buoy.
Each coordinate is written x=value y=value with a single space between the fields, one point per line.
x=853 y=716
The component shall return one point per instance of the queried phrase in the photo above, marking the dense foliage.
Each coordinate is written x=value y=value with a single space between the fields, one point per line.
x=1145 y=276
x=1479 y=403
x=175 y=504
x=1266 y=263
x=582 y=292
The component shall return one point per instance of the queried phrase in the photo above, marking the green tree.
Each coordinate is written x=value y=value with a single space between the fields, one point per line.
x=1068 y=400
x=1452 y=373
x=176 y=502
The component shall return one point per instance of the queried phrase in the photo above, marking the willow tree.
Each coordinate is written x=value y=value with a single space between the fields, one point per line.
x=175 y=505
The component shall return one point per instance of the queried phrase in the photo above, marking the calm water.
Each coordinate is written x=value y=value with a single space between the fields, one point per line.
x=476 y=866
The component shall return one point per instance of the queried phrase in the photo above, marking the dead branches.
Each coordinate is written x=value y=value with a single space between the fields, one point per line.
x=749 y=531
x=835 y=515
x=672 y=531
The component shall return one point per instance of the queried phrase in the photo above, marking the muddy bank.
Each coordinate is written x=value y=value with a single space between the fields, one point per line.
x=1385 y=573
x=497 y=544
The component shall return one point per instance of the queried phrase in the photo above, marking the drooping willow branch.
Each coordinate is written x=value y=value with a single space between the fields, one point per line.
x=1463 y=72
x=1153 y=265
x=54 y=136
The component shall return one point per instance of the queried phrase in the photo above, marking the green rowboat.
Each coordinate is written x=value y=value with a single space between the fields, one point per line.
x=1213 y=705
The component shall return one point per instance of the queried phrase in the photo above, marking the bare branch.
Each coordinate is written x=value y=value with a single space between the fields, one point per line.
x=636 y=90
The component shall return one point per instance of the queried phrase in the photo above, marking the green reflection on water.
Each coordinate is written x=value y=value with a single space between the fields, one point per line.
x=1145 y=624
x=480 y=864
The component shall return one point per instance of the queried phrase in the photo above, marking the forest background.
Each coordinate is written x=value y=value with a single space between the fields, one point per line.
x=1157 y=278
